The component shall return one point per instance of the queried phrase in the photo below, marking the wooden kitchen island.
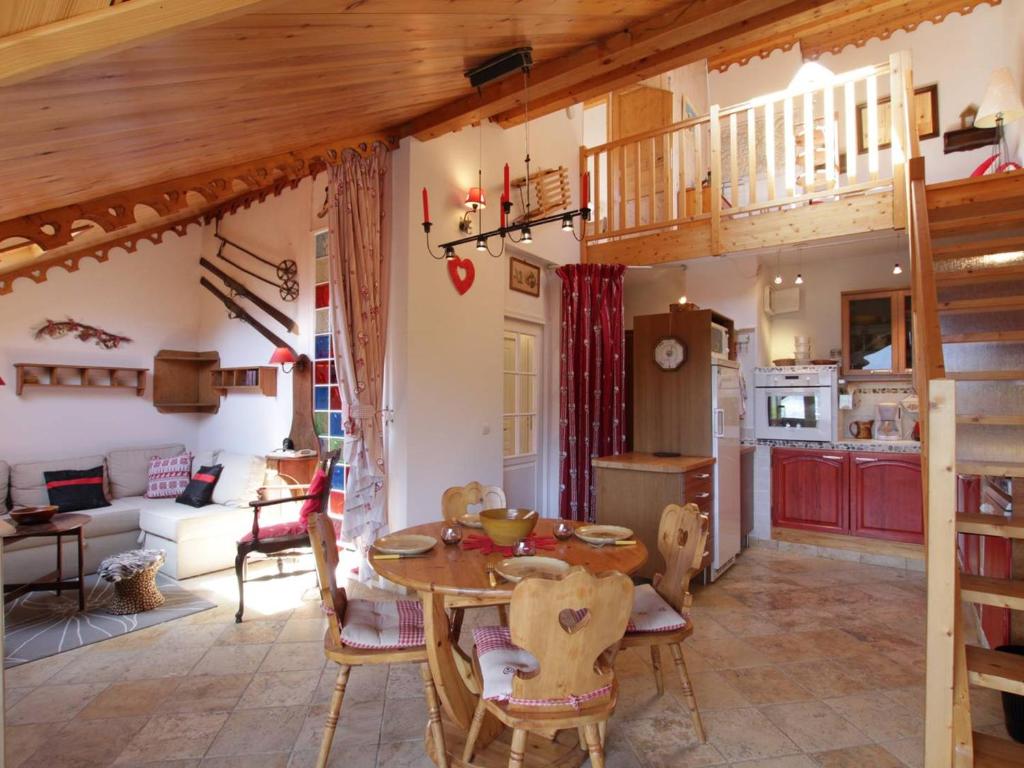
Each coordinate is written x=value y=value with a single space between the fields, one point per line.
x=634 y=488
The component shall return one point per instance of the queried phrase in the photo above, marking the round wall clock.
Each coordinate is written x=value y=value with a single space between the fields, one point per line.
x=669 y=353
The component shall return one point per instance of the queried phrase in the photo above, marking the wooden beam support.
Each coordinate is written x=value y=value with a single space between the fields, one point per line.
x=53 y=47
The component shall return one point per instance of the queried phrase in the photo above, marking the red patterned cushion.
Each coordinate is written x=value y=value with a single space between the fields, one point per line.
x=372 y=625
x=291 y=528
x=168 y=477
x=652 y=614
x=312 y=506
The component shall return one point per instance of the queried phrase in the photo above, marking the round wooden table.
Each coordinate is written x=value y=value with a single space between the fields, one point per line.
x=452 y=577
x=59 y=525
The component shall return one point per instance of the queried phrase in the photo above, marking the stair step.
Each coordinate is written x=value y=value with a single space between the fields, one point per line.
x=1010 y=375
x=980 y=274
x=975 y=196
x=993 y=337
x=993 y=752
x=993 y=420
x=995 y=669
x=985 y=223
x=1002 y=593
x=978 y=248
x=990 y=525
x=990 y=468
x=994 y=304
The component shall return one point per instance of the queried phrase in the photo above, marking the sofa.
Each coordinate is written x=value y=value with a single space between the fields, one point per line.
x=195 y=540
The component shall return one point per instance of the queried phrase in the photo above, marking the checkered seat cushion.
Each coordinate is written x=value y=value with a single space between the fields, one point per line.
x=381 y=625
x=652 y=614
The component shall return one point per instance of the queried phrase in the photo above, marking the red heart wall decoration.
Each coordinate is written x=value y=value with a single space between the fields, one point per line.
x=462 y=273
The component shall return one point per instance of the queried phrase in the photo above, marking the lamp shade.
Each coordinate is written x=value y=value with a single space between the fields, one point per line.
x=1002 y=100
x=475 y=198
x=283 y=356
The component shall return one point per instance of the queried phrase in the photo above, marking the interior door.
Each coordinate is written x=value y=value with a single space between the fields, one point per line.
x=521 y=425
x=638 y=110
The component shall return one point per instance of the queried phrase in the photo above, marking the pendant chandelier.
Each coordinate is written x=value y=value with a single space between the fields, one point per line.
x=520 y=232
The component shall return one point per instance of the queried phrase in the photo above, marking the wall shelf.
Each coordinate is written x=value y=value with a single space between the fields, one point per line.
x=257 y=380
x=62 y=376
x=181 y=381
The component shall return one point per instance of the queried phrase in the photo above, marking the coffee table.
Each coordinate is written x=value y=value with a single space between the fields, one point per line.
x=66 y=524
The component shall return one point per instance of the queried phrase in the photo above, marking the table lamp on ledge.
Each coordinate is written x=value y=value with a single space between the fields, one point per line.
x=1000 y=106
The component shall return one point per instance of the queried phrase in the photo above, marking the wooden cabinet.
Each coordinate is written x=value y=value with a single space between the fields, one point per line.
x=871 y=494
x=810 y=489
x=877 y=333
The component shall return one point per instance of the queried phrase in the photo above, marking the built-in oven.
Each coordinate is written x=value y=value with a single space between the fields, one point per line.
x=796 y=403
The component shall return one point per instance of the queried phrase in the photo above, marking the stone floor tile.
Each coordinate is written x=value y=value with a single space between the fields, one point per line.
x=746 y=734
x=729 y=653
x=280 y=689
x=364 y=683
x=204 y=635
x=205 y=693
x=162 y=662
x=910 y=751
x=286 y=657
x=713 y=691
x=20 y=741
x=790 y=761
x=404 y=719
x=358 y=727
x=53 y=703
x=13 y=695
x=404 y=682
x=366 y=757
x=765 y=685
x=857 y=757
x=231 y=659
x=96 y=666
x=257 y=731
x=403 y=754
x=668 y=741
x=302 y=630
x=84 y=742
x=37 y=672
x=138 y=697
x=813 y=726
x=879 y=715
x=173 y=737
x=275 y=760
x=825 y=678
x=251 y=633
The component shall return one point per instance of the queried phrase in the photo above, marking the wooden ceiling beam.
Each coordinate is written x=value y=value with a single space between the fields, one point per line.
x=647 y=38
x=61 y=44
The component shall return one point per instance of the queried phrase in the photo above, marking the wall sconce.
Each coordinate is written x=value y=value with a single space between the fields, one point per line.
x=474 y=202
x=284 y=356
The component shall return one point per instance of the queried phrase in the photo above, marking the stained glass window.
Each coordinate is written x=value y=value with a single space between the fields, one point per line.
x=328 y=412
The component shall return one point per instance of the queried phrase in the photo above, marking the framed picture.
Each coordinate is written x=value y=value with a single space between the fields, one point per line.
x=523 y=276
x=926 y=117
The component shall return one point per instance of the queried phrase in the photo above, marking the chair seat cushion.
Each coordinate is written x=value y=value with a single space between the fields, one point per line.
x=292 y=528
x=383 y=625
x=652 y=614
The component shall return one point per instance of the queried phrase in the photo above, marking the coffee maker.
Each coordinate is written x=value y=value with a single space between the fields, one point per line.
x=887 y=425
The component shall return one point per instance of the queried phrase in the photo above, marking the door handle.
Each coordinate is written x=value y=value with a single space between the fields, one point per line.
x=862 y=460
x=719 y=422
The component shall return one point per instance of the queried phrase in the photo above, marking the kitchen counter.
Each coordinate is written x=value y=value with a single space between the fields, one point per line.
x=648 y=462
x=850 y=444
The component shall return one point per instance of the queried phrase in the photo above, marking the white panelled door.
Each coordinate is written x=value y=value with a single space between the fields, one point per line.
x=521 y=425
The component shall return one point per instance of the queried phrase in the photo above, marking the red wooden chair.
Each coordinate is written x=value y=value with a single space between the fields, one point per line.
x=290 y=537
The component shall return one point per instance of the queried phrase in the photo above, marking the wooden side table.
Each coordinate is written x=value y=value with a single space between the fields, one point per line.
x=299 y=468
x=61 y=525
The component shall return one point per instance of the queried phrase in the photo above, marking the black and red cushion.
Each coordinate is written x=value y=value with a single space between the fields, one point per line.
x=199 y=490
x=74 y=489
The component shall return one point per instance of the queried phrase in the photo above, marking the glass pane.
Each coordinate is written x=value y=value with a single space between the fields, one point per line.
x=792 y=410
x=509 y=437
x=323 y=321
x=510 y=393
x=526 y=434
x=871 y=334
x=526 y=394
x=322 y=271
x=510 y=351
x=908 y=333
x=526 y=353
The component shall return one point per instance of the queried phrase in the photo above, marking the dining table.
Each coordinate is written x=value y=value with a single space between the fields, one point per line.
x=462 y=575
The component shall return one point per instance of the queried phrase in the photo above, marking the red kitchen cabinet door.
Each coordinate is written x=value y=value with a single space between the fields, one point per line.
x=885 y=496
x=809 y=490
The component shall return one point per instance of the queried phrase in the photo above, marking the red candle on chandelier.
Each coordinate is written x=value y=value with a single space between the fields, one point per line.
x=506 y=195
x=501 y=207
x=426 y=207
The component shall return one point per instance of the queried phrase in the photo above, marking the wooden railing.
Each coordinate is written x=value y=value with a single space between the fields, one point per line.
x=752 y=156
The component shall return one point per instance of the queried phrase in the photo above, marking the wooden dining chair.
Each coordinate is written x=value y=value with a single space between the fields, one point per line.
x=660 y=615
x=455 y=502
x=361 y=632
x=548 y=670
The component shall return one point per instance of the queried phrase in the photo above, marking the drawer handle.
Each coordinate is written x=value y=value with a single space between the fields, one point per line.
x=833 y=458
x=703 y=495
x=703 y=476
x=862 y=460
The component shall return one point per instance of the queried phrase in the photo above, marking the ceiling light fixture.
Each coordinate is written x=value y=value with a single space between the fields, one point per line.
x=897 y=269
x=799 y=279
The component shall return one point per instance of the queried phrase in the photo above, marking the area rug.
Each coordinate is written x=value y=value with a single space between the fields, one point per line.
x=41 y=624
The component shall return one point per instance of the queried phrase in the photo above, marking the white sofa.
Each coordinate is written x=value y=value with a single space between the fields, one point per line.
x=196 y=540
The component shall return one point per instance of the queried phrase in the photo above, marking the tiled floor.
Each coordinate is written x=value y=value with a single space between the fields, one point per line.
x=797 y=662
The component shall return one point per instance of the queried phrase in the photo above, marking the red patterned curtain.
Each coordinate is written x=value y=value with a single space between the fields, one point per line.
x=592 y=379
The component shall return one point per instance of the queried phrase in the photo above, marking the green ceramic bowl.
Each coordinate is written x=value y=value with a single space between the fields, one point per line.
x=507 y=526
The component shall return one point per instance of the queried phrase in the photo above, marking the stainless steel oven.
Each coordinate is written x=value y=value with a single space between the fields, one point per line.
x=796 y=403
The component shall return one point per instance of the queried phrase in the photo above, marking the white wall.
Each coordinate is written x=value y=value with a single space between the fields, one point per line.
x=959 y=54
x=651 y=291
x=150 y=296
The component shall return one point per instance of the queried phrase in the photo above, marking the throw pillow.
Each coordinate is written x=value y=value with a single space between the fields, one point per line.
x=167 y=478
x=199 y=490
x=75 y=489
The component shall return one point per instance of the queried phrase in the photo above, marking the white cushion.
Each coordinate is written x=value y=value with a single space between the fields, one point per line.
x=5 y=481
x=500 y=660
x=120 y=517
x=240 y=479
x=651 y=613
x=373 y=624
x=128 y=467
x=28 y=488
x=179 y=522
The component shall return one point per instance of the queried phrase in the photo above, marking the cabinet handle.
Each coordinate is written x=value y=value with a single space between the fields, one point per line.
x=833 y=458
x=703 y=495
x=704 y=476
x=862 y=460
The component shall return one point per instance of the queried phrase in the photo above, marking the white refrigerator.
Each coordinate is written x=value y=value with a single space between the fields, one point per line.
x=725 y=421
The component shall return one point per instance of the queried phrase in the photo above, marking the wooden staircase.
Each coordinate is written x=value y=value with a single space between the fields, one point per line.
x=967 y=246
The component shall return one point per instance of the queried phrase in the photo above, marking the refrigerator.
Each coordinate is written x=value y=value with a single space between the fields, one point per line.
x=725 y=414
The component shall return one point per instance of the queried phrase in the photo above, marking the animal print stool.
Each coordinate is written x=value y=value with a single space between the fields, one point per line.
x=133 y=575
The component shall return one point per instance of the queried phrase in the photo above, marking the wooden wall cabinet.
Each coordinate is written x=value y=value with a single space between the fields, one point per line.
x=181 y=381
x=869 y=494
x=877 y=334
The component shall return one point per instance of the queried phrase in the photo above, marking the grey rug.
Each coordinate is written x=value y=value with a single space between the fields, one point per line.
x=41 y=624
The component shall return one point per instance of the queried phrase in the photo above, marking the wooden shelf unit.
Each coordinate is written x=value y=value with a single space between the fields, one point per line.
x=257 y=380
x=63 y=376
x=181 y=381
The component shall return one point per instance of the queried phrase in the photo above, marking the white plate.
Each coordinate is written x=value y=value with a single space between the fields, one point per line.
x=404 y=544
x=519 y=568
x=603 y=534
x=471 y=520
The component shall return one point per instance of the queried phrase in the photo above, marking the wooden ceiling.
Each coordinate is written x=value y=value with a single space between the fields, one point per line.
x=180 y=107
